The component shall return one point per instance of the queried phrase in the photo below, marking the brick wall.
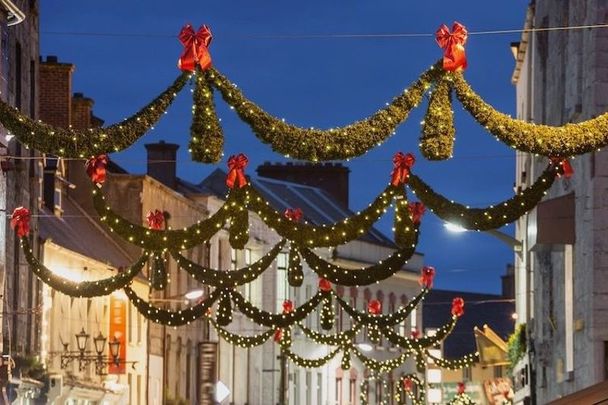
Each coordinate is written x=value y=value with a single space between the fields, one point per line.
x=56 y=92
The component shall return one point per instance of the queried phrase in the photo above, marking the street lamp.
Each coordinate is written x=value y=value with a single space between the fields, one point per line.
x=513 y=243
x=366 y=347
x=100 y=343
x=194 y=294
x=115 y=350
x=82 y=339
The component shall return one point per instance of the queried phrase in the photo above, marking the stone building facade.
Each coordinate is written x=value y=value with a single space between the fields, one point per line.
x=562 y=273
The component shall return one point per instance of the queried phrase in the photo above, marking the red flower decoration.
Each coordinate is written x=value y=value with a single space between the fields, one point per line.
x=461 y=388
x=374 y=307
x=278 y=335
x=408 y=384
x=20 y=221
x=402 y=164
x=156 y=219
x=427 y=274
x=324 y=285
x=196 y=46
x=452 y=43
x=287 y=306
x=293 y=214
x=96 y=168
x=236 y=175
x=416 y=210
x=415 y=334
x=564 y=166
x=458 y=307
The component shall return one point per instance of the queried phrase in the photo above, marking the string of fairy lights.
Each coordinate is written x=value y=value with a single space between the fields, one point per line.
x=299 y=238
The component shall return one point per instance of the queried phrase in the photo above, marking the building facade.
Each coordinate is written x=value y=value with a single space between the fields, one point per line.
x=561 y=277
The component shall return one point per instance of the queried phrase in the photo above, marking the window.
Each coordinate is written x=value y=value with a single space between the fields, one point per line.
x=352 y=391
x=130 y=322
x=569 y=308
x=18 y=78
x=466 y=374
x=247 y=257
x=497 y=371
x=139 y=398
x=296 y=388
x=338 y=391
x=413 y=321
x=188 y=368
x=308 y=388
x=282 y=284
x=140 y=320
x=33 y=89
x=319 y=388
x=308 y=290
x=232 y=259
x=378 y=391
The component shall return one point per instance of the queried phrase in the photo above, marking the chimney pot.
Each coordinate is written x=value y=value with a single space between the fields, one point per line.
x=52 y=59
x=162 y=162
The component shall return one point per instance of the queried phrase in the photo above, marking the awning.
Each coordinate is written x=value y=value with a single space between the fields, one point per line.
x=594 y=395
x=492 y=349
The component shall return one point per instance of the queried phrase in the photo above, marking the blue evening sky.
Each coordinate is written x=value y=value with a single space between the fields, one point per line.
x=310 y=82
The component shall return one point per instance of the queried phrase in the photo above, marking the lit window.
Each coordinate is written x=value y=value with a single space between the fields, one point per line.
x=282 y=284
x=232 y=259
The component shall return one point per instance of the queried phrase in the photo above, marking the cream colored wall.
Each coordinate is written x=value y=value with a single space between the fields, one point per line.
x=64 y=317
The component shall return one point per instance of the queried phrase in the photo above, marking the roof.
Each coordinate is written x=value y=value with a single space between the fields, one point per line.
x=479 y=309
x=78 y=232
x=317 y=205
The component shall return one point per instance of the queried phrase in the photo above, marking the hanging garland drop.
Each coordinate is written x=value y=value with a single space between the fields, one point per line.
x=206 y=135
x=159 y=277
x=327 y=312
x=224 y=310
x=295 y=274
x=438 y=131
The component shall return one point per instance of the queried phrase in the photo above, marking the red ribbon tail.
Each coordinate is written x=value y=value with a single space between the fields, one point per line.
x=231 y=178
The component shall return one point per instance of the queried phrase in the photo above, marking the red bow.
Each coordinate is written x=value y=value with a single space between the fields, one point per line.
x=374 y=307
x=278 y=335
x=195 y=48
x=452 y=43
x=564 y=165
x=324 y=285
x=415 y=334
x=287 y=306
x=20 y=221
x=294 y=214
x=427 y=274
x=458 y=307
x=402 y=163
x=407 y=384
x=461 y=388
x=236 y=175
x=96 y=168
x=416 y=211
x=156 y=219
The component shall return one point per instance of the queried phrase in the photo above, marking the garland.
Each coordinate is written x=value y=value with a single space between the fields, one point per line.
x=93 y=141
x=308 y=363
x=461 y=399
x=332 y=144
x=172 y=318
x=563 y=141
x=84 y=288
x=455 y=364
x=492 y=217
x=242 y=341
x=437 y=140
x=228 y=278
x=418 y=344
x=404 y=388
x=206 y=135
x=341 y=338
x=380 y=366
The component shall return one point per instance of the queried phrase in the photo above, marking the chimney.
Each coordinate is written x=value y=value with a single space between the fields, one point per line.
x=508 y=282
x=330 y=177
x=82 y=111
x=162 y=162
x=56 y=92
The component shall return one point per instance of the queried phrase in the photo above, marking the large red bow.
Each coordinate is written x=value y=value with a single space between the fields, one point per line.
x=278 y=335
x=458 y=307
x=195 y=48
x=452 y=43
x=564 y=166
x=156 y=219
x=287 y=306
x=294 y=214
x=402 y=163
x=324 y=285
x=461 y=388
x=407 y=384
x=20 y=221
x=374 y=307
x=416 y=211
x=236 y=175
x=427 y=274
x=96 y=168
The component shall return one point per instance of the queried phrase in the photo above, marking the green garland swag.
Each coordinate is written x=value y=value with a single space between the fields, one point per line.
x=483 y=219
x=309 y=363
x=239 y=340
x=455 y=364
x=172 y=318
x=332 y=144
x=364 y=276
x=295 y=274
x=179 y=239
x=228 y=278
x=337 y=339
x=90 y=142
x=461 y=399
x=414 y=344
x=380 y=366
x=437 y=140
x=401 y=393
x=206 y=135
x=323 y=235
x=562 y=141
x=273 y=320
x=84 y=288
x=383 y=321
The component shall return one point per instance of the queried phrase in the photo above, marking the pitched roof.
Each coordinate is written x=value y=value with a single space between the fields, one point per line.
x=318 y=206
x=479 y=309
x=78 y=232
